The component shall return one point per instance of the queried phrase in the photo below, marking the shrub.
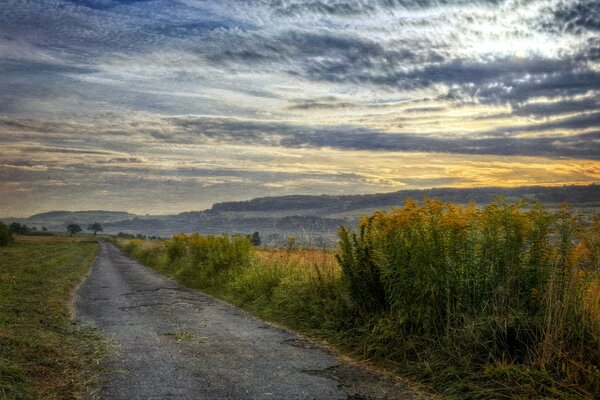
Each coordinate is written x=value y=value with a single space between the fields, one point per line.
x=255 y=285
x=361 y=272
x=503 y=284
x=5 y=235
x=176 y=248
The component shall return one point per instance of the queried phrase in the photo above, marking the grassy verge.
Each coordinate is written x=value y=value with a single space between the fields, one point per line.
x=500 y=302
x=43 y=355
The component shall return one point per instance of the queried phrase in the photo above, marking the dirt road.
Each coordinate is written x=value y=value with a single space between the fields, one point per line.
x=174 y=343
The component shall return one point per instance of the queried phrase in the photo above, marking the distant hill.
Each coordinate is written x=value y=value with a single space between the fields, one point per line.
x=58 y=220
x=74 y=216
x=312 y=219
x=570 y=194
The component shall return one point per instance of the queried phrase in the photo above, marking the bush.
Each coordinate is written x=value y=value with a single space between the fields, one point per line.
x=5 y=235
x=255 y=285
x=500 y=285
x=198 y=261
x=176 y=248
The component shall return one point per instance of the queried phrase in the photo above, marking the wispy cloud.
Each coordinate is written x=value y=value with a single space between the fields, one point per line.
x=104 y=94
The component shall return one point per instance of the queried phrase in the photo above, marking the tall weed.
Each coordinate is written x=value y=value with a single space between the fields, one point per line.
x=500 y=301
x=507 y=285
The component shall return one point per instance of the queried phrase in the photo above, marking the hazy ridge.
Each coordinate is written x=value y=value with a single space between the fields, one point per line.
x=305 y=216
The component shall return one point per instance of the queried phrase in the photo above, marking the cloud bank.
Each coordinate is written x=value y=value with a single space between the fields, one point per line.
x=210 y=101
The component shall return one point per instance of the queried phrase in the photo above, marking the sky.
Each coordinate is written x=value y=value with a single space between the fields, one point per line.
x=163 y=106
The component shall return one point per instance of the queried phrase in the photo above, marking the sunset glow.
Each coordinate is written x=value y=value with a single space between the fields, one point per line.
x=186 y=103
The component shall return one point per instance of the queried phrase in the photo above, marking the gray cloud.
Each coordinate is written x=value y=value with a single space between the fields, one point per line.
x=578 y=16
x=360 y=7
x=355 y=138
x=202 y=130
x=566 y=105
x=103 y=88
x=561 y=82
x=327 y=102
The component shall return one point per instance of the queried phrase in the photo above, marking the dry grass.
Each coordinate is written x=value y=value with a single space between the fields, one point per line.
x=304 y=258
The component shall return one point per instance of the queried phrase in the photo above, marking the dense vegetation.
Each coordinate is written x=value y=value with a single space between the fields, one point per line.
x=5 y=235
x=483 y=303
x=481 y=296
x=42 y=355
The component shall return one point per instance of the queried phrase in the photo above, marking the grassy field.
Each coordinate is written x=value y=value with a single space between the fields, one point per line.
x=499 y=302
x=43 y=355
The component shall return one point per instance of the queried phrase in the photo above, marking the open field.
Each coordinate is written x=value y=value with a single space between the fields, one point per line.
x=42 y=354
x=499 y=302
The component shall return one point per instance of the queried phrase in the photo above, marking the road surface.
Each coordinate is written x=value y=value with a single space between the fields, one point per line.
x=174 y=343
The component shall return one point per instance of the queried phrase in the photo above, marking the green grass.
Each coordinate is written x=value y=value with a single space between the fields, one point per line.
x=500 y=302
x=43 y=354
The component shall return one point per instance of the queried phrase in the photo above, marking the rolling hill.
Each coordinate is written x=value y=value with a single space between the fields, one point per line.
x=312 y=219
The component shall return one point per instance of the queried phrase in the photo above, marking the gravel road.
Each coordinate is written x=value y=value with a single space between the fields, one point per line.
x=174 y=343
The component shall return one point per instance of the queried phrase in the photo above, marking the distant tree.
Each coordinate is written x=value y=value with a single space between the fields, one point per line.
x=73 y=229
x=19 y=229
x=5 y=235
x=44 y=229
x=255 y=239
x=95 y=227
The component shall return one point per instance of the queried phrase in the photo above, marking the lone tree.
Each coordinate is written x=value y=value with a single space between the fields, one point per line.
x=255 y=239
x=95 y=227
x=73 y=229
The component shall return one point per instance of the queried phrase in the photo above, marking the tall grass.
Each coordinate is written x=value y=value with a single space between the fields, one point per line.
x=496 y=302
x=502 y=292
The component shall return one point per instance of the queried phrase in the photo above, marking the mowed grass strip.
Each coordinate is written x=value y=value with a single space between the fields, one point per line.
x=43 y=354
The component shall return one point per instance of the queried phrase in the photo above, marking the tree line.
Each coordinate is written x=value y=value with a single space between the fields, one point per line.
x=7 y=232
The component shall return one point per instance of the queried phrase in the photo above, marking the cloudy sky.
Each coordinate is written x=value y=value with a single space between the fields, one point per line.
x=160 y=106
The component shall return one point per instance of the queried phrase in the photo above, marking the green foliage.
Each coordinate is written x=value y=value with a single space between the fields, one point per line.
x=255 y=285
x=73 y=229
x=484 y=288
x=19 y=229
x=255 y=239
x=361 y=273
x=5 y=235
x=310 y=298
x=95 y=227
x=199 y=261
x=176 y=248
